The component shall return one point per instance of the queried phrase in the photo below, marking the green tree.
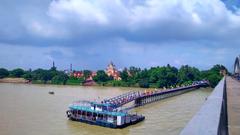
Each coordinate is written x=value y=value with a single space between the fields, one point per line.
x=60 y=78
x=163 y=76
x=3 y=72
x=214 y=79
x=213 y=75
x=124 y=75
x=143 y=83
x=52 y=73
x=187 y=73
x=53 y=68
x=133 y=75
x=28 y=76
x=154 y=74
x=86 y=73
x=75 y=81
x=45 y=76
x=144 y=74
x=101 y=77
x=134 y=70
x=42 y=74
x=37 y=74
x=18 y=72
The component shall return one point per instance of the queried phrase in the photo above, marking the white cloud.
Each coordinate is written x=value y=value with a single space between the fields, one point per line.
x=164 y=18
x=83 y=11
x=135 y=32
x=158 y=19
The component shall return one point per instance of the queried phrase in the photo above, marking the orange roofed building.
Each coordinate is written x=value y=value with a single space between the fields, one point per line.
x=112 y=71
x=78 y=74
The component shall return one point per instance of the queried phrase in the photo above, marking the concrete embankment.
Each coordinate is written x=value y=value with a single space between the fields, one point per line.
x=13 y=80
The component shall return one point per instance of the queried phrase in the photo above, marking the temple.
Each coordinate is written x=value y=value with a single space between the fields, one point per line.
x=112 y=71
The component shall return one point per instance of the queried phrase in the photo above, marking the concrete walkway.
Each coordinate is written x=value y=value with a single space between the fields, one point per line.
x=233 y=106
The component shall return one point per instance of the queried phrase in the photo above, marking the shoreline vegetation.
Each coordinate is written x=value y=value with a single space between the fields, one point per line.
x=155 y=77
x=13 y=80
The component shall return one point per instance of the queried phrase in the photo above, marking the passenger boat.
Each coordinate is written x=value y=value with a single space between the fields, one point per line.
x=102 y=114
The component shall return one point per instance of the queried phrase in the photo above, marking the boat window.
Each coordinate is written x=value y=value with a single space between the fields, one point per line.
x=74 y=111
x=110 y=108
x=104 y=108
x=100 y=116
x=88 y=114
x=83 y=113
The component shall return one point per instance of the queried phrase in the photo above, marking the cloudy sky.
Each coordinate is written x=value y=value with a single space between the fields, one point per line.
x=143 y=33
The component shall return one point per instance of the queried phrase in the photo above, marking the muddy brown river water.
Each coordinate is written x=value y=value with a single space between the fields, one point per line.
x=27 y=109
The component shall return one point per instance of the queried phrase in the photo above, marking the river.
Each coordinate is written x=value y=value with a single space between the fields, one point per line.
x=27 y=109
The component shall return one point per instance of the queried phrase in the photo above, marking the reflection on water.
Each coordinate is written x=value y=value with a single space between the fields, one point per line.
x=29 y=109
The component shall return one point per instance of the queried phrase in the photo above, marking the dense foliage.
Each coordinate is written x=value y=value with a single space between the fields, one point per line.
x=101 y=77
x=3 y=72
x=157 y=77
x=160 y=77
x=37 y=76
x=75 y=81
x=213 y=75
x=17 y=72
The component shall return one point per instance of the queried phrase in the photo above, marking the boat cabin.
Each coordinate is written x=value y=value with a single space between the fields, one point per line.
x=98 y=113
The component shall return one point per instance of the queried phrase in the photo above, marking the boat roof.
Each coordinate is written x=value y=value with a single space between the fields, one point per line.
x=91 y=103
x=88 y=109
x=103 y=104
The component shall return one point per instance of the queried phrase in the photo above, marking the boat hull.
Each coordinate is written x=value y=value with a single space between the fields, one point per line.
x=109 y=125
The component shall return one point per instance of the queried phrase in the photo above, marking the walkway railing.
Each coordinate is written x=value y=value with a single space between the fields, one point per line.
x=123 y=99
x=212 y=117
x=134 y=95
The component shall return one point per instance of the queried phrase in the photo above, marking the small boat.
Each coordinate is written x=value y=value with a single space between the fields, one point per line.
x=51 y=92
x=101 y=114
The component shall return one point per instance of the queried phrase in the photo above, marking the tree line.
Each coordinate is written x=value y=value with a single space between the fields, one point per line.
x=160 y=77
x=52 y=75
x=155 y=77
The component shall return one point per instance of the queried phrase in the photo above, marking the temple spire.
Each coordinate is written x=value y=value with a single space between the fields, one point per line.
x=53 y=66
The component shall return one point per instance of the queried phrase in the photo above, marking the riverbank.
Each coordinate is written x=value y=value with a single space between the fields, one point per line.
x=13 y=80
x=91 y=84
x=24 y=81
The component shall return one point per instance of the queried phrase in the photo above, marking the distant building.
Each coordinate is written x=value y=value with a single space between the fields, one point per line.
x=53 y=66
x=112 y=71
x=93 y=74
x=69 y=71
x=89 y=81
x=78 y=74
